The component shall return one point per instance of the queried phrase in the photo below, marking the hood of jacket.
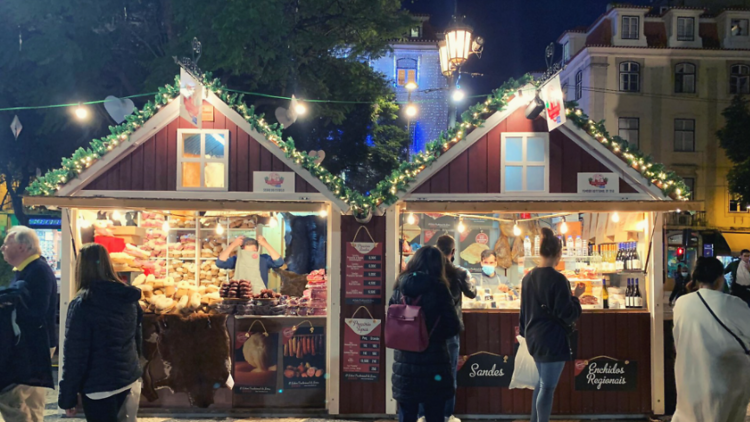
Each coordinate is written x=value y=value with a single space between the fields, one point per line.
x=113 y=295
x=417 y=283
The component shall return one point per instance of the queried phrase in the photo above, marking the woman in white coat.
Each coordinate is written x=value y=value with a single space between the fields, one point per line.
x=712 y=336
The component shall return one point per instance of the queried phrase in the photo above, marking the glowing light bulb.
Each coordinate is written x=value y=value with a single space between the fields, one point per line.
x=615 y=217
x=323 y=212
x=458 y=95
x=219 y=229
x=461 y=228
x=563 y=227
x=516 y=230
x=411 y=110
x=300 y=108
x=411 y=86
x=410 y=219
x=116 y=215
x=81 y=112
x=85 y=224
x=273 y=222
x=677 y=211
x=165 y=226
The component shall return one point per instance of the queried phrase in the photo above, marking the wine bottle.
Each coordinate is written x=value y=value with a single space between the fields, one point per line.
x=636 y=258
x=638 y=299
x=619 y=258
x=628 y=296
x=626 y=264
x=605 y=294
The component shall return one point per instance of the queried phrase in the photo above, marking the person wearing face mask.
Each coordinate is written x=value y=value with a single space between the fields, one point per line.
x=681 y=279
x=489 y=278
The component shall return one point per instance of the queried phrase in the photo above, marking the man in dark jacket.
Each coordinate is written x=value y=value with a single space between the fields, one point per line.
x=35 y=316
x=461 y=284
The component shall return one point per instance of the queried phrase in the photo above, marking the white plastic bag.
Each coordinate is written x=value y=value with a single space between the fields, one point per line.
x=129 y=409
x=525 y=374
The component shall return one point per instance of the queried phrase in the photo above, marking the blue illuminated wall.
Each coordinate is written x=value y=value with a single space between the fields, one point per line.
x=433 y=112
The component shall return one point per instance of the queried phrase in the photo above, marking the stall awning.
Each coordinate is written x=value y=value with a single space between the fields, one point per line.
x=737 y=241
x=173 y=204
x=552 y=206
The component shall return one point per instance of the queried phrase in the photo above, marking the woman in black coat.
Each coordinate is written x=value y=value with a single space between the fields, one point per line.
x=426 y=377
x=102 y=340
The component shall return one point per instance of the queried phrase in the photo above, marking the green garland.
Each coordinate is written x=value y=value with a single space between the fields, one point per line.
x=386 y=191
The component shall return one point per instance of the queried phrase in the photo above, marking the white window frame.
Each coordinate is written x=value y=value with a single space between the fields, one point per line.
x=566 y=52
x=688 y=28
x=524 y=164
x=579 y=85
x=680 y=140
x=202 y=159
x=627 y=73
x=687 y=74
x=629 y=25
x=637 y=130
x=737 y=74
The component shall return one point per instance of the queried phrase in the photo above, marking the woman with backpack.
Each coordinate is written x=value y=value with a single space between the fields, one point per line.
x=102 y=341
x=548 y=314
x=425 y=377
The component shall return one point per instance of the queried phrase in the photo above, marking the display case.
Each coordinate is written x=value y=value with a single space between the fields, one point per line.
x=579 y=270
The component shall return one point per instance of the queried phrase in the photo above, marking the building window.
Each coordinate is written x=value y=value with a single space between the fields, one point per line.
x=684 y=78
x=415 y=32
x=579 y=85
x=739 y=79
x=406 y=71
x=202 y=159
x=630 y=76
x=566 y=52
x=525 y=162
x=685 y=29
x=630 y=27
x=735 y=205
x=684 y=135
x=739 y=27
x=628 y=129
x=690 y=183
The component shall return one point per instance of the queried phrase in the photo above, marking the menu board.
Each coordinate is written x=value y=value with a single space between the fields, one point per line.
x=606 y=374
x=364 y=274
x=362 y=357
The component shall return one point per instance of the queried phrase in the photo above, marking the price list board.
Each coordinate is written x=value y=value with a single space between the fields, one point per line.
x=364 y=273
x=362 y=356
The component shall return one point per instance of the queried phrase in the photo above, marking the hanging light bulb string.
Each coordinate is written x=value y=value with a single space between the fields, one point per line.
x=77 y=104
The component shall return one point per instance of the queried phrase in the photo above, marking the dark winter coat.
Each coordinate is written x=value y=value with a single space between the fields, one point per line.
x=544 y=330
x=102 y=341
x=35 y=302
x=460 y=280
x=422 y=376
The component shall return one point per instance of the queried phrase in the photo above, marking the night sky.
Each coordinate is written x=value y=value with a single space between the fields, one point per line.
x=515 y=32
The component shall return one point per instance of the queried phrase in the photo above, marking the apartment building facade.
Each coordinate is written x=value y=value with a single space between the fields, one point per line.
x=660 y=78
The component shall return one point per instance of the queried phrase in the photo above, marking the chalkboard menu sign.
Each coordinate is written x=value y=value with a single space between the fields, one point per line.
x=606 y=374
x=484 y=369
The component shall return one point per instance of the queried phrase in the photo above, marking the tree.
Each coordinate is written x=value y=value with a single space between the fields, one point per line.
x=77 y=50
x=734 y=138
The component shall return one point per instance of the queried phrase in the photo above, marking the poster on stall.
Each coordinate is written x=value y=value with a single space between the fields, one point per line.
x=304 y=357
x=362 y=339
x=484 y=369
x=552 y=96
x=472 y=242
x=364 y=273
x=598 y=183
x=273 y=181
x=606 y=374
x=436 y=225
x=191 y=99
x=255 y=358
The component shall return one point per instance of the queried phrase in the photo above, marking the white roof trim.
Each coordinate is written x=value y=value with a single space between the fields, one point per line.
x=164 y=117
x=446 y=158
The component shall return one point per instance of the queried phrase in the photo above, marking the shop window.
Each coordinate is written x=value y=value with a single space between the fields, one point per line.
x=630 y=27
x=406 y=71
x=630 y=76
x=628 y=129
x=684 y=78
x=684 y=135
x=525 y=162
x=736 y=205
x=202 y=159
x=739 y=27
x=739 y=79
x=685 y=29
x=579 y=85
x=415 y=32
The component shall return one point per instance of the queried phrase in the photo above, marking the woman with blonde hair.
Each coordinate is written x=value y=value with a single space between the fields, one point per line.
x=102 y=341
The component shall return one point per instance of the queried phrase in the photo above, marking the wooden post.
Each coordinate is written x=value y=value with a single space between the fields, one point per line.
x=334 y=309
x=392 y=259
x=69 y=229
x=656 y=296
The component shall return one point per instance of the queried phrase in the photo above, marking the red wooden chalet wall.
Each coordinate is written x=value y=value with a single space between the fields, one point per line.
x=477 y=170
x=153 y=165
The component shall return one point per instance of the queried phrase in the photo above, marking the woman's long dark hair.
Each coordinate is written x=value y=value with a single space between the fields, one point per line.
x=93 y=265
x=429 y=260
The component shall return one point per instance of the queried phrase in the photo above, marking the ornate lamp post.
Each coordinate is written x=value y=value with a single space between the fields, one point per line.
x=454 y=51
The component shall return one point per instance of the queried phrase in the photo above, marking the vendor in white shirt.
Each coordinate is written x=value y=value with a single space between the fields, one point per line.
x=489 y=277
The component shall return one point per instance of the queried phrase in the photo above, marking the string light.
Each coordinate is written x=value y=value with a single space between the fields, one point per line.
x=411 y=110
x=273 y=222
x=563 y=227
x=323 y=212
x=516 y=230
x=83 y=223
x=81 y=112
x=615 y=217
x=219 y=229
x=116 y=215
x=300 y=108
x=165 y=226
x=410 y=219
x=461 y=228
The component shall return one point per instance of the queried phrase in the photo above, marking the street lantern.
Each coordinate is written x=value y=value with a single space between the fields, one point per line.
x=458 y=42
x=445 y=66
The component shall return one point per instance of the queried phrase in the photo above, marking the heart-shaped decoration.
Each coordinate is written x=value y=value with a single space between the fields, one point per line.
x=319 y=156
x=118 y=108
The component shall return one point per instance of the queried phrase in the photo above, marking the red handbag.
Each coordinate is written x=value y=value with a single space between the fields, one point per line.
x=406 y=328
